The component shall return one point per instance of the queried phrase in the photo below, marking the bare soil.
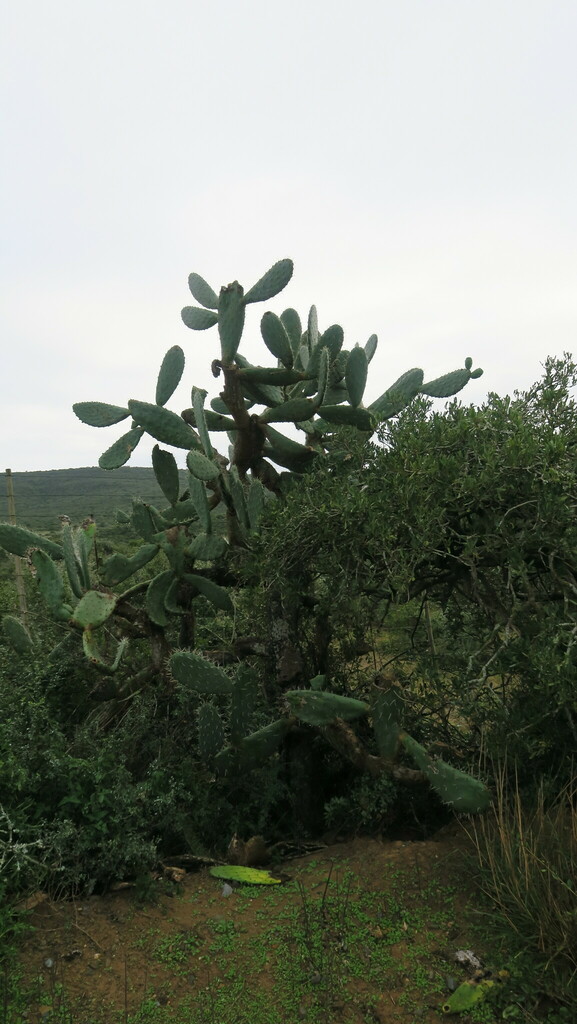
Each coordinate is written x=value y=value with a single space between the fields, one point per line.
x=362 y=931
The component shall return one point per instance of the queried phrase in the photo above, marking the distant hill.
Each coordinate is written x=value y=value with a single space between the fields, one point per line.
x=41 y=497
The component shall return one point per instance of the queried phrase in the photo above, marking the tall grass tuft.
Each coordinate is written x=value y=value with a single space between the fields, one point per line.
x=527 y=855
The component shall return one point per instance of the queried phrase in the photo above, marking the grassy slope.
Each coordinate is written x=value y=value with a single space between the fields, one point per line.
x=41 y=497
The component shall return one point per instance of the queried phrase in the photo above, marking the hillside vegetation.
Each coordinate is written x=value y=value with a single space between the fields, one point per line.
x=42 y=496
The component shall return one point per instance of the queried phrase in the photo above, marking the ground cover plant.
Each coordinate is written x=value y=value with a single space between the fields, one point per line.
x=361 y=932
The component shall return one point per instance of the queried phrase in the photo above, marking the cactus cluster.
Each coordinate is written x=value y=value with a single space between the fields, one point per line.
x=462 y=792
x=244 y=748
x=314 y=385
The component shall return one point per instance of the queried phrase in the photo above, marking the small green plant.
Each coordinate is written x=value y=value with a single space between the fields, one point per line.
x=366 y=807
x=176 y=950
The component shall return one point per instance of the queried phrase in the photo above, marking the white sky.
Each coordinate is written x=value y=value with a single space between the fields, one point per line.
x=417 y=159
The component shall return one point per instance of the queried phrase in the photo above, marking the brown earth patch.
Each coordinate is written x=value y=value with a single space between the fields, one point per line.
x=363 y=931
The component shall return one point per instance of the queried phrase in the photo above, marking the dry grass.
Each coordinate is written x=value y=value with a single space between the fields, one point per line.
x=528 y=867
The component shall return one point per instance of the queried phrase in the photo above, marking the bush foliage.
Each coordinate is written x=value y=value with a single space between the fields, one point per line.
x=424 y=580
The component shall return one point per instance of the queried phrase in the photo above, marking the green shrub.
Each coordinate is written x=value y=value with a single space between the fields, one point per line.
x=368 y=806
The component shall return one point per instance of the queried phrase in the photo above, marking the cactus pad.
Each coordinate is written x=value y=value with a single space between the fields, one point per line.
x=356 y=375
x=201 y=467
x=251 y=876
x=276 y=338
x=163 y=425
x=198 y=319
x=166 y=473
x=462 y=792
x=118 y=567
x=169 y=375
x=202 y=292
x=210 y=731
x=271 y=283
x=17 y=634
x=94 y=609
x=317 y=707
x=190 y=669
x=119 y=452
x=18 y=541
x=99 y=414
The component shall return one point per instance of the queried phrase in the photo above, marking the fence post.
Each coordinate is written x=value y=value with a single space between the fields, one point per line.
x=20 y=588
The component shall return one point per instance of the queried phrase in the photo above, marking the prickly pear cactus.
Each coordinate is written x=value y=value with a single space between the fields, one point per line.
x=309 y=382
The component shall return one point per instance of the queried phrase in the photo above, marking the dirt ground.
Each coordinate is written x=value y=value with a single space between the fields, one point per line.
x=360 y=931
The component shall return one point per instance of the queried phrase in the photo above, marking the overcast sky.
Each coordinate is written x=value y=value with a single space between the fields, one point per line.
x=417 y=159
